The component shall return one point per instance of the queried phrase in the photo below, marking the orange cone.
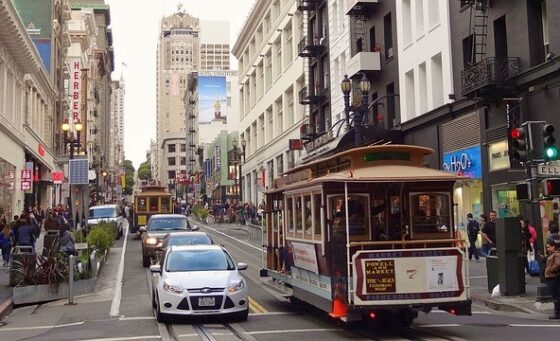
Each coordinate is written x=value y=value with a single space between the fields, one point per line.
x=339 y=308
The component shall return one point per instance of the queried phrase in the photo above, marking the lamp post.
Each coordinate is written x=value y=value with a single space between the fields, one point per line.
x=243 y=145
x=237 y=153
x=73 y=142
x=360 y=110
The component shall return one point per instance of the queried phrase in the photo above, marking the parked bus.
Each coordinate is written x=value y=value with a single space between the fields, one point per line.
x=367 y=233
x=150 y=200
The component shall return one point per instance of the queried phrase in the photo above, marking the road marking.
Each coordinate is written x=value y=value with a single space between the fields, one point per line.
x=292 y=331
x=41 y=327
x=536 y=325
x=435 y=311
x=271 y=313
x=132 y=318
x=116 y=304
x=145 y=337
x=439 y=325
x=257 y=308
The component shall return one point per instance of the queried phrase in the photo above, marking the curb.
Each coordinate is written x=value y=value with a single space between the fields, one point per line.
x=6 y=308
x=509 y=307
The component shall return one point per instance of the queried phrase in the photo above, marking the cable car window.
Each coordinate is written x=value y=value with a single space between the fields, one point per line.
x=298 y=215
x=317 y=214
x=307 y=213
x=289 y=214
x=430 y=214
x=153 y=204
x=165 y=206
x=141 y=205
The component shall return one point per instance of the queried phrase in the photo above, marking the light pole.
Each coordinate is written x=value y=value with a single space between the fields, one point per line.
x=237 y=153
x=359 y=111
x=73 y=142
x=243 y=145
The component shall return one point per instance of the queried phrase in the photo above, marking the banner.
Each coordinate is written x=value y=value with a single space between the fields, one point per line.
x=75 y=88
x=212 y=99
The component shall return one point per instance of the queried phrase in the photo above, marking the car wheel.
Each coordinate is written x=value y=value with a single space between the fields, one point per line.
x=160 y=317
x=241 y=316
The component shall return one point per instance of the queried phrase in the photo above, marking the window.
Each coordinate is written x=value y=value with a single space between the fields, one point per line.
x=419 y=17
x=290 y=214
x=317 y=216
x=467 y=51
x=423 y=88
x=437 y=80
x=430 y=215
x=500 y=38
x=280 y=164
x=307 y=216
x=358 y=215
x=183 y=147
x=433 y=13
x=410 y=100
x=171 y=174
x=183 y=161
x=171 y=148
x=388 y=35
x=390 y=91
x=171 y=161
x=407 y=20
x=372 y=41
x=298 y=215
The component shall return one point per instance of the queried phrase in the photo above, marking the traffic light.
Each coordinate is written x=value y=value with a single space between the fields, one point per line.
x=518 y=144
x=551 y=187
x=550 y=150
x=523 y=191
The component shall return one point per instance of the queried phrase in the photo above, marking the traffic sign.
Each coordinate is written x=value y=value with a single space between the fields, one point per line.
x=548 y=170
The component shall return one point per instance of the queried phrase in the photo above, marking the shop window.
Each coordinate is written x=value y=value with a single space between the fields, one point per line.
x=430 y=215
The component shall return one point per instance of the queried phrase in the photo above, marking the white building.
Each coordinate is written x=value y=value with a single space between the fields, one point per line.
x=270 y=77
x=424 y=47
x=214 y=45
x=117 y=123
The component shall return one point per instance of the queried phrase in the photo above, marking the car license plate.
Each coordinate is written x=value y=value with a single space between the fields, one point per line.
x=206 y=301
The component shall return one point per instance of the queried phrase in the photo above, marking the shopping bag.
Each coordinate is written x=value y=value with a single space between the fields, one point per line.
x=534 y=269
x=496 y=291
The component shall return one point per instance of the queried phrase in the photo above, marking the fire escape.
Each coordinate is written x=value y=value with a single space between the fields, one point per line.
x=312 y=43
x=485 y=77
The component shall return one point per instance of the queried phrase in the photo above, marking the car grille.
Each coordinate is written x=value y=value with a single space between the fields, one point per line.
x=229 y=303
x=205 y=290
x=184 y=305
x=217 y=305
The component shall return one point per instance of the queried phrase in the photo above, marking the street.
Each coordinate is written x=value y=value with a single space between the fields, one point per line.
x=103 y=316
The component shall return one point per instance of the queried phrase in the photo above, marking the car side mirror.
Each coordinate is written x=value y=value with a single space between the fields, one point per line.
x=155 y=268
x=242 y=266
x=142 y=229
x=195 y=228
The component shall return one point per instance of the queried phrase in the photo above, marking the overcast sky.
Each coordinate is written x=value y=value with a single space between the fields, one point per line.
x=135 y=27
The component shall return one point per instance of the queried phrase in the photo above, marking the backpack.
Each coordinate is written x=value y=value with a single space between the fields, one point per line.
x=473 y=228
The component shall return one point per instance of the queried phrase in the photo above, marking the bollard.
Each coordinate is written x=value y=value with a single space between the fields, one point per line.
x=71 y=280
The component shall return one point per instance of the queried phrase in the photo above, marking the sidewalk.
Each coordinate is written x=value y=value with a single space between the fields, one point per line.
x=525 y=304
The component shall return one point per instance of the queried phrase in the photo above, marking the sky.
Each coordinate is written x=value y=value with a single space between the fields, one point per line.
x=135 y=25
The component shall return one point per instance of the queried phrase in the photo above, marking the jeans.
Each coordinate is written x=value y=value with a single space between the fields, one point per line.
x=553 y=285
x=472 y=248
x=6 y=250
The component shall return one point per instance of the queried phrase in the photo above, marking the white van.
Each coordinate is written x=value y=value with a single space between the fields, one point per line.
x=108 y=213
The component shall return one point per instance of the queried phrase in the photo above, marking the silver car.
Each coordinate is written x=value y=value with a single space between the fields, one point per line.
x=196 y=280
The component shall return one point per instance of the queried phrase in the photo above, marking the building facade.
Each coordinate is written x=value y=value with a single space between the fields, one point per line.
x=271 y=76
x=178 y=56
x=116 y=156
x=214 y=45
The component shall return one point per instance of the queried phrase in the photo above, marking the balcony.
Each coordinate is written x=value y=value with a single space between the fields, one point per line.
x=307 y=5
x=360 y=7
x=489 y=75
x=309 y=47
x=312 y=95
x=363 y=62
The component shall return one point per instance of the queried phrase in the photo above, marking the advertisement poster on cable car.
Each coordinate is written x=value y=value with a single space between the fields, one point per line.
x=386 y=276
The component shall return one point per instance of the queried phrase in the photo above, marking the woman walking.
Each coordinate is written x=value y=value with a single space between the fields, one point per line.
x=6 y=242
x=552 y=274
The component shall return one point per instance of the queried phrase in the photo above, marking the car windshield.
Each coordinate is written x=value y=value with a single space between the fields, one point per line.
x=105 y=212
x=189 y=240
x=199 y=260
x=167 y=224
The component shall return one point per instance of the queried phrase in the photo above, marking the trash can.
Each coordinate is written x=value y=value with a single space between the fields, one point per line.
x=492 y=269
x=23 y=262
x=49 y=239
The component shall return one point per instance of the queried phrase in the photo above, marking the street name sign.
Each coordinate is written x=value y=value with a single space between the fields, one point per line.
x=548 y=170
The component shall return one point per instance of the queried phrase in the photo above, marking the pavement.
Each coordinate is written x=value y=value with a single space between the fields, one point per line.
x=524 y=304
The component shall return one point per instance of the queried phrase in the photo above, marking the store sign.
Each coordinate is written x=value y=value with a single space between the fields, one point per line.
x=465 y=162
x=26 y=179
x=75 y=88
x=57 y=177
x=218 y=158
x=498 y=156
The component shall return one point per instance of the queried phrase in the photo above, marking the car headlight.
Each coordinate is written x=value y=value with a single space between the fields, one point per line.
x=172 y=288
x=150 y=241
x=236 y=285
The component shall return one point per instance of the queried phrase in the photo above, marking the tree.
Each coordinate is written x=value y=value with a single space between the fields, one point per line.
x=145 y=171
x=129 y=177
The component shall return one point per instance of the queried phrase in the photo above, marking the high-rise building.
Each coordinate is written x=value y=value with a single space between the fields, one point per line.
x=177 y=57
x=117 y=123
x=214 y=45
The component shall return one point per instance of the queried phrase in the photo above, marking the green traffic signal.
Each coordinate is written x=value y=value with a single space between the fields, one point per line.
x=551 y=153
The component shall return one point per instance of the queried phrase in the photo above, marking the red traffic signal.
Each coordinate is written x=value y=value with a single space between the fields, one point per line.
x=517 y=133
x=551 y=187
x=518 y=144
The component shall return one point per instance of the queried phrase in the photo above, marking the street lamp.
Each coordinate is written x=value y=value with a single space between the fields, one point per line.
x=237 y=153
x=69 y=137
x=359 y=110
x=243 y=145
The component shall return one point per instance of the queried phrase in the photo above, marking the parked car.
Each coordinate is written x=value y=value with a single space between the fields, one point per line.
x=158 y=226
x=198 y=280
x=107 y=213
x=181 y=238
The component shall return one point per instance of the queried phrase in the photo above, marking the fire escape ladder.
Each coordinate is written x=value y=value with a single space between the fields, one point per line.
x=307 y=129
x=479 y=29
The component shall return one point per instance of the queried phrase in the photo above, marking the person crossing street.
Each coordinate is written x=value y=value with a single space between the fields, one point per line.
x=473 y=229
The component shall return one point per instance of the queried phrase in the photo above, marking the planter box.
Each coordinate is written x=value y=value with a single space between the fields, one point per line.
x=45 y=292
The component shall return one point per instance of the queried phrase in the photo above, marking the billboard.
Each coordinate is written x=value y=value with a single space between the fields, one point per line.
x=212 y=99
x=37 y=16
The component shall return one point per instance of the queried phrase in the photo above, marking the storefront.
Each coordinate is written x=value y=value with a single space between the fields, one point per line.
x=467 y=194
x=7 y=188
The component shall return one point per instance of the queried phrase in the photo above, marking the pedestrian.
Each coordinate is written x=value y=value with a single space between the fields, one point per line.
x=489 y=231
x=24 y=233
x=484 y=244
x=6 y=242
x=552 y=274
x=51 y=223
x=473 y=229
x=525 y=243
x=553 y=231
x=67 y=242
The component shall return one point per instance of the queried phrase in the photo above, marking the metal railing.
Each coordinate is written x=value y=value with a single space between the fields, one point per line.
x=490 y=72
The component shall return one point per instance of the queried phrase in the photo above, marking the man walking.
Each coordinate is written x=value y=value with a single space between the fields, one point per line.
x=472 y=231
x=489 y=230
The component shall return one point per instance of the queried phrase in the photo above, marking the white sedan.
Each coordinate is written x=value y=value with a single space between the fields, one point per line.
x=196 y=280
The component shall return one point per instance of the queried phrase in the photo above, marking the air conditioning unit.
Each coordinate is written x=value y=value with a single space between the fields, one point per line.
x=389 y=52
